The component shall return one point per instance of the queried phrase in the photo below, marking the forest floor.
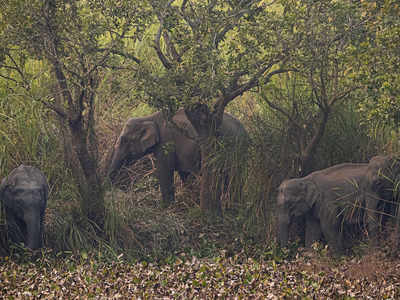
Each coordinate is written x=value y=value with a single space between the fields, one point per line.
x=309 y=274
x=180 y=255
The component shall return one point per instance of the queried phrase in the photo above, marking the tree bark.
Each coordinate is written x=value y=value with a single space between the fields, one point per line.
x=89 y=183
x=307 y=155
x=206 y=125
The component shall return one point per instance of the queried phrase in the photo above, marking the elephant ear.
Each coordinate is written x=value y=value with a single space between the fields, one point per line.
x=5 y=187
x=149 y=137
x=2 y=187
x=302 y=194
x=307 y=195
x=376 y=174
x=312 y=193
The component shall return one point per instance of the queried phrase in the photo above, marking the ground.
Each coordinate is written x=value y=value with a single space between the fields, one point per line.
x=310 y=274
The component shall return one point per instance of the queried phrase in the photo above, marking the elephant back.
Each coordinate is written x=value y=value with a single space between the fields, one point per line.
x=181 y=120
x=340 y=175
x=344 y=186
x=232 y=127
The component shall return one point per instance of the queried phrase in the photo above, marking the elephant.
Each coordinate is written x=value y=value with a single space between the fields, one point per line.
x=331 y=201
x=24 y=194
x=384 y=176
x=174 y=145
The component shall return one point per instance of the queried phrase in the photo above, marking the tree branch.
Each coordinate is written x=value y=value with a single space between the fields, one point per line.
x=121 y=53
x=157 y=39
x=58 y=110
x=283 y=112
x=171 y=47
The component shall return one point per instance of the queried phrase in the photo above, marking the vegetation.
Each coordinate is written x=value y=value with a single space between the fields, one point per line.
x=315 y=83
x=310 y=276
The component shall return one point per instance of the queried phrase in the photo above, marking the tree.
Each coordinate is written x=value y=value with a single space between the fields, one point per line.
x=324 y=72
x=380 y=63
x=75 y=41
x=211 y=52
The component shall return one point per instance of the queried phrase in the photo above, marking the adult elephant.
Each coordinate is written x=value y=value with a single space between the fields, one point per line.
x=331 y=201
x=173 y=144
x=24 y=194
x=384 y=177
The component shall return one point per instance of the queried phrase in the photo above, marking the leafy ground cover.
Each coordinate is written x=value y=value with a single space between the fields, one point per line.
x=310 y=275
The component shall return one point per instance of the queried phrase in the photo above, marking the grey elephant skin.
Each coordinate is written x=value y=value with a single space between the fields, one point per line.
x=331 y=201
x=384 y=176
x=173 y=144
x=24 y=194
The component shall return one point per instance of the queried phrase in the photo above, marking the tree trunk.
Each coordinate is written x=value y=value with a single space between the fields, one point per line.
x=86 y=175
x=206 y=126
x=307 y=155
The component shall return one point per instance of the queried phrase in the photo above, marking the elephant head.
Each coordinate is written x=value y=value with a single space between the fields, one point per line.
x=138 y=138
x=24 y=196
x=384 y=176
x=296 y=198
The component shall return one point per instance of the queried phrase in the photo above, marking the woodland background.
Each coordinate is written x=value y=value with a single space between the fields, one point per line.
x=315 y=83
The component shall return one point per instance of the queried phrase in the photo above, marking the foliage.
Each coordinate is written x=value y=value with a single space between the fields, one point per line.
x=75 y=41
x=321 y=81
x=310 y=275
x=380 y=55
x=212 y=52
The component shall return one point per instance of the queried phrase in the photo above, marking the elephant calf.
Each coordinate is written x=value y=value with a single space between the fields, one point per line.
x=330 y=201
x=23 y=194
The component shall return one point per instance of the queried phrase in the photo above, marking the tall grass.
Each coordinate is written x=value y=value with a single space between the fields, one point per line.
x=272 y=157
x=135 y=224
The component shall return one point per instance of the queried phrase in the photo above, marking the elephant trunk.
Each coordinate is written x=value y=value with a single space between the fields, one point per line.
x=33 y=238
x=113 y=170
x=117 y=160
x=283 y=228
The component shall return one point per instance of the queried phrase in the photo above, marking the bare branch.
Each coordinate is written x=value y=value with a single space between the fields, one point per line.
x=192 y=25
x=282 y=111
x=171 y=47
x=18 y=69
x=58 y=110
x=9 y=78
x=157 y=39
x=121 y=53
x=252 y=82
x=62 y=81
x=340 y=96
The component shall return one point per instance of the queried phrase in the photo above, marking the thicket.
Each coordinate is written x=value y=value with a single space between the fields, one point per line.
x=282 y=112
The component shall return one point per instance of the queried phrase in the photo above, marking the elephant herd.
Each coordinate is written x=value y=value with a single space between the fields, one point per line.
x=330 y=201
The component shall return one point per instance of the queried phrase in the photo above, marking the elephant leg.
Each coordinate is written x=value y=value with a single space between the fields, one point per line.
x=165 y=172
x=186 y=177
x=372 y=215
x=332 y=234
x=42 y=228
x=16 y=228
x=313 y=231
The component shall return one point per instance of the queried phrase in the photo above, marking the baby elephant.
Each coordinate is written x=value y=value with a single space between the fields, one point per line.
x=330 y=201
x=23 y=194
